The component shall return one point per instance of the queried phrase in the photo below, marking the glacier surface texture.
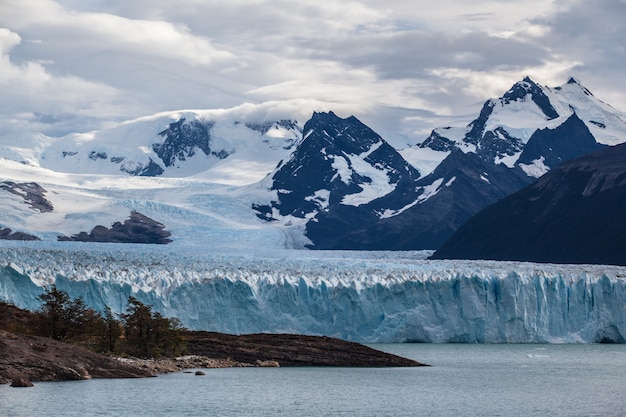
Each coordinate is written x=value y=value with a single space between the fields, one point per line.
x=359 y=296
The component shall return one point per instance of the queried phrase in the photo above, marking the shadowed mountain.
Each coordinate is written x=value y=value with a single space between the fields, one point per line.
x=573 y=214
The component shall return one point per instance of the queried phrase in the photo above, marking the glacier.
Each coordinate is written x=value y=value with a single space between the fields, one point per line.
x=360 y=296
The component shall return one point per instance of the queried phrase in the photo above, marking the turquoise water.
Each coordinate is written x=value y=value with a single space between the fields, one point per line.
x=464 y=380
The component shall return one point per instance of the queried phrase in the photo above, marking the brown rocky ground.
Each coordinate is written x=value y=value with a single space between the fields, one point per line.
x=41 y=359
x=290 y=350
x=35 y=358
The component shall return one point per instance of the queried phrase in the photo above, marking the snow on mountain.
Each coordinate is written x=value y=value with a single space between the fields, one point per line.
x=505 y=125
x=360 y=296
x=253 y=175
x=338 y=181
x=237 y=187
x=201 y=163
x=342 y=158
x=605 y=123
x=235 y=146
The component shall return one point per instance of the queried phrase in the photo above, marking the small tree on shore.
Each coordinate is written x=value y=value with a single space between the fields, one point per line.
x=60 y=317
x=148 y=334
x=140 y=332
x=113 y=331
x=63 y=318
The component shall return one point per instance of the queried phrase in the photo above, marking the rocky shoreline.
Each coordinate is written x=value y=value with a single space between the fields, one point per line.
x=34 y=358
x=24 y=358
x=290 y=350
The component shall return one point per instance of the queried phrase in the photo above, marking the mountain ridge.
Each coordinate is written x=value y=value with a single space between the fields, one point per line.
x=332 y=183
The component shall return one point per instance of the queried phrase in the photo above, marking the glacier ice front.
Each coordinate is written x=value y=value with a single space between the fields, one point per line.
x=359 y=296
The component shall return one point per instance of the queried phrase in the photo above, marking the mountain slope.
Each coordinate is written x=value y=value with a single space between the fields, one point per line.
x=232 y=146
x=548 y=148
x=338 y=179
x=252 y=176
x=502 y=131
x=341 y=203
x=573 y=214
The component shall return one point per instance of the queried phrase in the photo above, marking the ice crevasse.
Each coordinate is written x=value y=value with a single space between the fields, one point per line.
x=365 y=297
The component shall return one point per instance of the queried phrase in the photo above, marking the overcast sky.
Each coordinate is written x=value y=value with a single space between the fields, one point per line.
x=399 y=66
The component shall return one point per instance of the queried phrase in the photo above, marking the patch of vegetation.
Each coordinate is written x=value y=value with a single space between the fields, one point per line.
x=139 y=332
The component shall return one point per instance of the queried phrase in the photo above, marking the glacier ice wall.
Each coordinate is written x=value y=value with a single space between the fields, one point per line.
x=360 y=296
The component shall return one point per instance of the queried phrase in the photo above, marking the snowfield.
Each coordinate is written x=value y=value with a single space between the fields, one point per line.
x=360 y=296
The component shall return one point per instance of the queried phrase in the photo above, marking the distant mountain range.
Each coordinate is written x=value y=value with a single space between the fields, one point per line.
x=254 y=176
x=353 y=191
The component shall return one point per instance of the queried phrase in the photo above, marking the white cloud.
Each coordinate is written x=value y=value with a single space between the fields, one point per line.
x=399 y=66
x=81 y=31
x=34 y=99
x=496 y=82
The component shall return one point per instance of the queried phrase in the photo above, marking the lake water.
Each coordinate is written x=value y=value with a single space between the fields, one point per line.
x=464 y=380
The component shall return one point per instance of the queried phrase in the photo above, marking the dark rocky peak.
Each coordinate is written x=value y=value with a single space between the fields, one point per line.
x=182 y=139
x=438 y=142
x=499 y=142
x=520 y=89
x=312 y=167
x=569 y=140
x=574 y=81
x=320 y=171
x=348 y=135
x=526 y=87
x=477 y=127
x=264 y=127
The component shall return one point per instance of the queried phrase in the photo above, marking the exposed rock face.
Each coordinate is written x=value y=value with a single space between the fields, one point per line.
x=21 y=383
x=34 y=358
x=163 y=366
x=31 y=192
x=353 y=191
x=182 y=139
x=137 y=229
x=8 y=234
x=459 y=187
x=570 y=140
x=291 y=350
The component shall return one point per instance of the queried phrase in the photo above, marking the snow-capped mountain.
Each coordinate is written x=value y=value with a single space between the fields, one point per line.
x=343 y=194
x=505 y=125
x=342 y=177
x=253 y=175
x=351 y=190
x=573 y=214
x=231 y=147
x=514 y=140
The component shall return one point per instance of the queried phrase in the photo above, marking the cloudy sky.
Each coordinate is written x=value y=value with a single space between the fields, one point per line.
x=401 y=66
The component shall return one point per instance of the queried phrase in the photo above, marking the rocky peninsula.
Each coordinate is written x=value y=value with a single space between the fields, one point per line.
x=25 y=358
